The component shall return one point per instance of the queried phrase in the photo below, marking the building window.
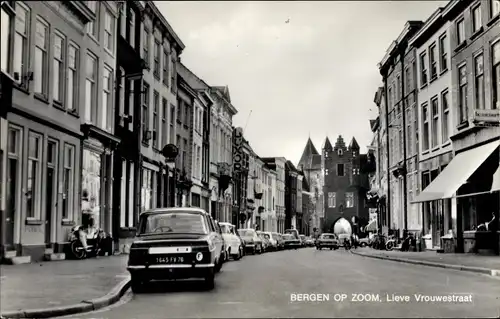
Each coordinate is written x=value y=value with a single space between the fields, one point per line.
x=179 y=158
x=21 y=40
x=8 y=16
x=408 y=133
x=186 y=114
x=340 y=169
x=184 y=153
x=326 y=171
x=173 y=75
x=355 y=171
x=389 y=97
x=156 y=107
x=462 y=99
x=147 y=189
x=145 y=113
x=423 y=69
x=400 y=143
x=34 y=184
x=495 y=8
x=109 y=30
x=398 y=87
x=164 y=125
x=72 y=78
x=198 y=162
x=460 y=31
x=68 y=180
x=349 y=200
x=479 y=81
x=92 y=26
x=107 y=107
x=58 y=72
x=179 y=110
x=435 y=121
x=41 y=57
x=476 y=18
x=172 y=116
x=157 y=56
x=408 y=80
x=443 y=54
x=145 y=46
x=433 y=61
x=332 y=200
x=90 y=87
x=165 y=68
x=131 y=27
x=340 y=152
x=445 y=124
x=425 y=120
x=495 y=58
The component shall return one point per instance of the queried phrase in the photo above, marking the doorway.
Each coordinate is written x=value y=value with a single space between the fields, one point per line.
x=13 y=188
x=50 y=194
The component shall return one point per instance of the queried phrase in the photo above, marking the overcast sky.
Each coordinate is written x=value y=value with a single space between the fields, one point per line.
x=316 y=75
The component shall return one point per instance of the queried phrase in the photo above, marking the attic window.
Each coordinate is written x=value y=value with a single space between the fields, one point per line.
x=326 y=154
x=339 y=152
x=353 y=153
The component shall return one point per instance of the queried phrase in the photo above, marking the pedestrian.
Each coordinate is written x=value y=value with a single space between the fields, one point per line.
x=87 y=218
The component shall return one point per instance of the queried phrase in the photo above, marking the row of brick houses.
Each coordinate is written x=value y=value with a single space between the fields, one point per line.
x=437 y=135
x=95 y=101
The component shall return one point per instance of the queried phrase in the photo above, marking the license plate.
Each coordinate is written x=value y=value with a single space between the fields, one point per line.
x=170 y=260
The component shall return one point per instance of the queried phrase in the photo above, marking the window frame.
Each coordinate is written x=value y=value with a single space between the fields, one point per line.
x=332 y=199
x=43 y=91
x=434 y=114
x=165 y=66
x=425 y=127
x=156 y=109
x=26 y=45
x=145 y=45
x=109 y=35
x=164 y=121
x=443 y=54
x=343 y=169
x=460 y=30
x=72 y=70
x=106 y=112
x=479 y=93
x=172 y=122
x=493 y=14
x=94 y=25
x=157 y=58
x=495 y=73
x=91 y=102
x=423 y=68
x=145 y=111
x=462 y=94
x=475 y=25
x=69 y=193
x=347 y=195
x=433 y=63
x=61 y=62
x=445 y=116
x=36 y=214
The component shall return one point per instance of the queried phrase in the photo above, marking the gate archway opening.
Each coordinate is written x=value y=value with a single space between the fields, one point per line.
x=342 y=226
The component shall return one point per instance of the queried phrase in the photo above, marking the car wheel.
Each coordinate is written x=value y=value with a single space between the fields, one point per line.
x=210 y=281
x=260 y=250
x=137 y=285
x=239 y=255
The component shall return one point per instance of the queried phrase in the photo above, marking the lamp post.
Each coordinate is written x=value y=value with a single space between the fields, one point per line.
x=170 y=152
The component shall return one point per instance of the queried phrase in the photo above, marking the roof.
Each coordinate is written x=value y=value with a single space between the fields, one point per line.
x=328 y=145
x=354 y=144
x=224 y=95
x=191 y=79
x=225 y=91
x=426 y=30
x=339 y=143
x=406 y=32
x=309 y=151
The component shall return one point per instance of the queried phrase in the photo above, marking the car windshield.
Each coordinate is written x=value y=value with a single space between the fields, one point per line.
x=287 y=236
x=328 y=236
x=246 y=232
x=302 y=237
x=226 y=229
x=172 y=223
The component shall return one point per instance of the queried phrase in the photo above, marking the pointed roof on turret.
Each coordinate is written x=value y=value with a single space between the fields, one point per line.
x=328 y=145
x=308 y=152
x=354 y=145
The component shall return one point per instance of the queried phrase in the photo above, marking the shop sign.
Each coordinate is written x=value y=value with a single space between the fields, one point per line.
x=487 y=116
x=237 y=149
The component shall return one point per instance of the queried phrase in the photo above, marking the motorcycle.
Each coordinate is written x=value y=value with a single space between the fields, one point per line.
x=391 y=243
x=347 y=244
x=98 y=243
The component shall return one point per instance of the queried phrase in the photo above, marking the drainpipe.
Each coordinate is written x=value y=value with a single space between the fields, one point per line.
x=405 y=175
x=388 y=199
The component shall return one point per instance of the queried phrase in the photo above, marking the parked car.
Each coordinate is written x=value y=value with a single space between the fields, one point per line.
x=273 y=240
x=265 y=241
x=327 y=240
x=309 y=242
x=252 y=241
x=293 y=232
x=234 y=244
x=175 y=243
x=363 y=242
x=224 y=243
x=303 y=240
x=291 y=242
x=279 y=240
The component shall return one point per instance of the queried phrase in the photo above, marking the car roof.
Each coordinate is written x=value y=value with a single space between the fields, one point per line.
x=327 y=234
x=246 y=229
x=226 y=223
x=191 y=210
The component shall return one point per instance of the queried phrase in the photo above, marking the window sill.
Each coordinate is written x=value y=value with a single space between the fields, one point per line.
x=21 y=88
x=58 y=105
x=165 y=84
x=67 y=222
x=179 y=121
x=91 y=36
x=445 y=144
x=434 y=78
x=145 y=144
x=185 y=126
x=425 y=152
x=443 y=72
x=476 y=33
x=74 y=113
x=108 y=51
x=157 y=76
x=41 y=98
x=423 y=86
x=493 y=20
x=435 y=148
x=33 y=222
x=462 y=125
x=461 y=46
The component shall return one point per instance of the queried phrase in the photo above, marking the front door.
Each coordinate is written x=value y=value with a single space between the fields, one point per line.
x=12 y=186
x=51 y=183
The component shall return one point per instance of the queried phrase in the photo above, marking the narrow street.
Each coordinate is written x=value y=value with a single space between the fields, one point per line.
x=261 y=286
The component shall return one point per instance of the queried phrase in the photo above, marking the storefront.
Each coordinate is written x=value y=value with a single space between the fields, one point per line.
x=465 y=195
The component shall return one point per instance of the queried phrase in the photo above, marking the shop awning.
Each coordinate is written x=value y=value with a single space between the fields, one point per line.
x=461 y=167
x=372 y=226
x=495 y=186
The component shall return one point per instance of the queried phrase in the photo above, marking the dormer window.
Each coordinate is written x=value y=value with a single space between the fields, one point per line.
x=339 y=152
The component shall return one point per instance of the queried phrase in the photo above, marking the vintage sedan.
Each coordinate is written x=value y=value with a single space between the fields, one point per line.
x=327 y=241
x=234 y=244
x=175 y=243
x=252 y=241
x=291 y=242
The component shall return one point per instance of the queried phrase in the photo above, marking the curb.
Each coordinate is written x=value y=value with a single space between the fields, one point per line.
x=486 y=271
x=84 y=306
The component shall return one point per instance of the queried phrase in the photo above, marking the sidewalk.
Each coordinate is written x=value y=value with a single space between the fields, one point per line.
x=467 y=262
x=59 y=284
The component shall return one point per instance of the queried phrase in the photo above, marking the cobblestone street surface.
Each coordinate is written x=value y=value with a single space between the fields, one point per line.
x=61 y=283
x=262 y=286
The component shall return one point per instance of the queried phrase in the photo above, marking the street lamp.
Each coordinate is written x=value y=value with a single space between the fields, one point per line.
x=170 y=152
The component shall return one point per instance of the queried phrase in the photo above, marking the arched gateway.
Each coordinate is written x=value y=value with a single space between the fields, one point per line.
x=342 y=226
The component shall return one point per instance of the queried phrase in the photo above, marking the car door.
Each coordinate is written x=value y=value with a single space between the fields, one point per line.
x=217 y=237
x=234 y=240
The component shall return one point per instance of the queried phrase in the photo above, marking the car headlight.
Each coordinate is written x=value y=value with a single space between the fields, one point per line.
x=199 y=256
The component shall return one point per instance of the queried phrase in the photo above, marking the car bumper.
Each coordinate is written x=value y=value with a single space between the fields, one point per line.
x=165 y=272
x=328 y=244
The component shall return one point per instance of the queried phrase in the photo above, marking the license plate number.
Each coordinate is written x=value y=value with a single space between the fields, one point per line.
x=170 y=260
